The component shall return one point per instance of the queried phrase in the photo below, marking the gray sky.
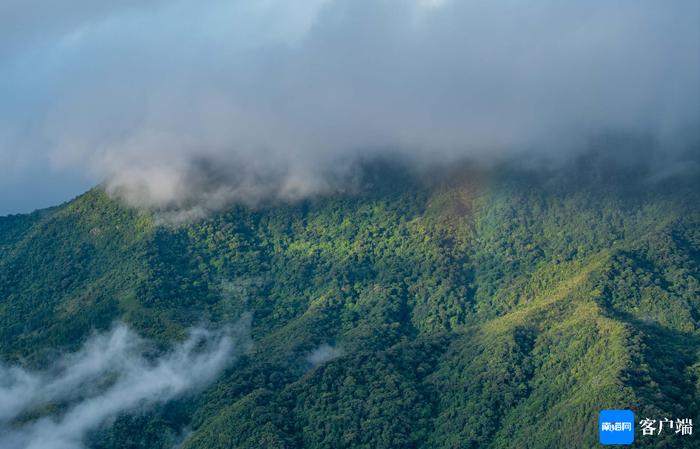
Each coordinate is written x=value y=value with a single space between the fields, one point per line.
x=196 y=104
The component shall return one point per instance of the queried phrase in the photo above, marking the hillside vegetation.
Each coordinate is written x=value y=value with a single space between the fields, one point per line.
x=492 y=309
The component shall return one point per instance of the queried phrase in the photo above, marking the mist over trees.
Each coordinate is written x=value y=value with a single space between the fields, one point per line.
x=465 y=312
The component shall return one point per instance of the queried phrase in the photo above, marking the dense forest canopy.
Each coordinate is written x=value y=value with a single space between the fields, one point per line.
x=469 y=310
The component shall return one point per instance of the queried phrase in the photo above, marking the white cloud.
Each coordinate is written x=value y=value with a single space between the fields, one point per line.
x=324 y=353
x=108 y=376
x=274 y=96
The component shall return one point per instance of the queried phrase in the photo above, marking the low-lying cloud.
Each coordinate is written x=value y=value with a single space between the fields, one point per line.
x=323 y=353
x=110 y=375
x=194 y=105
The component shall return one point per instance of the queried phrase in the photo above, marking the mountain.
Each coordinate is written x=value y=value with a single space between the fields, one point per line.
x=481 y=308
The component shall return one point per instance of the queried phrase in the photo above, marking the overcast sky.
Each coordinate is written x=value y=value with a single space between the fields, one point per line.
x=182 y=102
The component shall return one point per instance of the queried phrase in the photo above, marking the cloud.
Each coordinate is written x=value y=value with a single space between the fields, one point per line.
x=107 y=377
x=274 y=99
x=324 y=353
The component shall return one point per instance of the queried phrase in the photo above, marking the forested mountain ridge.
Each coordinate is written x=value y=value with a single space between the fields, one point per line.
x=471 y=312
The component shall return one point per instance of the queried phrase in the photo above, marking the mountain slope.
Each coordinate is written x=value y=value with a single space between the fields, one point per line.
x=473 y=312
